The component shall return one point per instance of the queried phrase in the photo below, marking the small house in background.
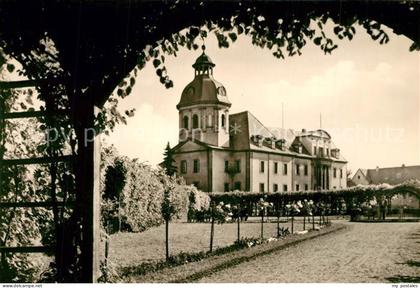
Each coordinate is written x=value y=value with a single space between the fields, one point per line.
x=392 y=176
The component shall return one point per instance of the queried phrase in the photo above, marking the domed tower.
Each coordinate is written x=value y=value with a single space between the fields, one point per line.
x=204 y=106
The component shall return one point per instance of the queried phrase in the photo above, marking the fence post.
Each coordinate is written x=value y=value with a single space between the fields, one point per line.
x=262 y=224
x=212 y=228
x=239 y=222
x=278 y=218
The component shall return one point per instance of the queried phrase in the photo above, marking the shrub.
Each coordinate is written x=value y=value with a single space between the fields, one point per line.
x=199 y=204
x=136 y=200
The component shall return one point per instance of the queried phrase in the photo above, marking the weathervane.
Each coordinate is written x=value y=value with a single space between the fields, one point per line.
x=203 y=47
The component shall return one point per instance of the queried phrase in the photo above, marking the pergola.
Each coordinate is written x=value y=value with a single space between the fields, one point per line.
x=98 y=43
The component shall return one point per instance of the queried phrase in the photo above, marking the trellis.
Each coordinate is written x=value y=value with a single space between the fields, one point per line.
x=4 y=163
x=331 y=197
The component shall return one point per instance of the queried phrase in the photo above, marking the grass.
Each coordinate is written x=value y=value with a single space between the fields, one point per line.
x=193 y=271
x=130 y=249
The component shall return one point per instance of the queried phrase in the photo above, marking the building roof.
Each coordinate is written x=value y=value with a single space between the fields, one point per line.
x=248 y=126
x=244 y=125
x=203 y=61
x=320 y=133
x=393 y=175
x=204 y=89
x=364 y=171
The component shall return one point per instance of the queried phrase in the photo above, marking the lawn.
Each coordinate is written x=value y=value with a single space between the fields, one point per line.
x=127 y=249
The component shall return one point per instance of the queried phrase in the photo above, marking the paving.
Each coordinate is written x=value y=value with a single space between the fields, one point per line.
x=365 y=252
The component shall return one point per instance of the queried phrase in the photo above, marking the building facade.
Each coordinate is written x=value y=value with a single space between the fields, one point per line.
x=219 y=151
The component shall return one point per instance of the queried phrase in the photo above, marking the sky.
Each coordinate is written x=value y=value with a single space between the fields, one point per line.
x=367 y=95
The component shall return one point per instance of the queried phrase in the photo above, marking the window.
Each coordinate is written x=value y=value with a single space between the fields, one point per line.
x=358 y=176
x=328 y=152
x=261 y=187
x=297 y=187
x=184 y=166
x=314 y=150
x=226 y=187
x=185 y=120
x=276 y=167
x=275 y=187
x=262 y=166
x=226 y=166
x=195 y=121
x=238 y=186
x=238 y=165
x=306 y=187
x=284 y=187
x=305 y=170
x=209 y=120
x=196 y=166
x=335 y=172
x=341 y=173
x=196 y=184
x=321 y=151
x=223 y=120
x=297 y=169
x=285 y=169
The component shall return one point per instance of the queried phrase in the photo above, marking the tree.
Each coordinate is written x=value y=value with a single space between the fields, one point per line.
x=220 y=214
x=168 y=209
x=168 y=161
x=115 y=180
x=262 y=206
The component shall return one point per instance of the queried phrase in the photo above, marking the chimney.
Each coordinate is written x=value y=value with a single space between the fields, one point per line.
x=403 y=165
x=377 y=168
x=303 y=130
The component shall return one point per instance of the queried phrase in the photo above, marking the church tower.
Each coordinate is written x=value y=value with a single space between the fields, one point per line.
x=204 y=106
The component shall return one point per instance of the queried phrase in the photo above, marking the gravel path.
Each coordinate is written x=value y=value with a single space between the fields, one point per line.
x=367 y=252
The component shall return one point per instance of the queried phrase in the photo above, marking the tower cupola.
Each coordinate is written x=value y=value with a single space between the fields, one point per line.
x=204 y=106
x=203 y=65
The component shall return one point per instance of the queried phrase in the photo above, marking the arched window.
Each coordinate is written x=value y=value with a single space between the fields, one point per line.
x=185 y=122
x=195 y=121
x=209 y=120
x=223 y=120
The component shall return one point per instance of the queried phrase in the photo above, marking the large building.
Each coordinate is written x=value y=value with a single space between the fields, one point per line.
x=219 y=151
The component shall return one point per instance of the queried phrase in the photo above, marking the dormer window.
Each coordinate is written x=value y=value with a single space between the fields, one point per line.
x=335 y=153
x=281 y=144
x=221 y=90
x=271 y=141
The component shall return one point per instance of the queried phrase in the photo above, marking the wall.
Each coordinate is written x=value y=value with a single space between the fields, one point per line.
x=269 y=177
x=219 y=177
x=338 y=183
x=191 y=177
x=359 y=178
x=302 y=179
x=208 y=132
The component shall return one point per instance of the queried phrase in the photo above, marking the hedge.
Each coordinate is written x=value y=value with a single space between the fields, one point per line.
x=138 y=204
